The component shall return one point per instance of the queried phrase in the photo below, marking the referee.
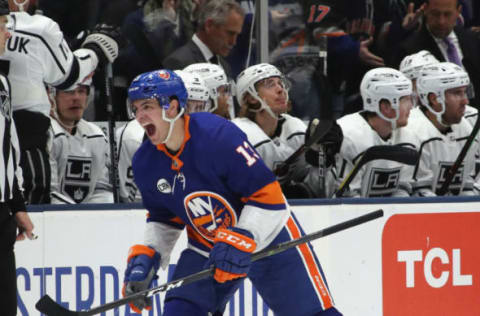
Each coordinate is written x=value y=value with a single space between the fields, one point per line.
x=12 y=203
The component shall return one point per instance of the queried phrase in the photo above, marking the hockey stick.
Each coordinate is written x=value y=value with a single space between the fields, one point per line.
x=49 y=307
x=322 y=128
x=397 y=153
x=111 y=132
x=461 y=156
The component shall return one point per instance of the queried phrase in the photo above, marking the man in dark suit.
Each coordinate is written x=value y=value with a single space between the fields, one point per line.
x=446 y=41
x=219 y=24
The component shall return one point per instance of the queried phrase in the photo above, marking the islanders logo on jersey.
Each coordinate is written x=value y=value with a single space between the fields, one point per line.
x=208 y=211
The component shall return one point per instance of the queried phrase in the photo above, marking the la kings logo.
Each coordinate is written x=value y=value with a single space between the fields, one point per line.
x=383 y=182
x=77 y=177
x=457 y=180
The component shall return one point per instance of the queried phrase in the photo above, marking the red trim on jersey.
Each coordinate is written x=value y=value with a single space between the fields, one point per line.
x=311 y=265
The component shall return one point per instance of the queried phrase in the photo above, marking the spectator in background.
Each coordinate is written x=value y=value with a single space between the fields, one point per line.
x=349 y=57
x=37 y=53
x=219 y=24
x=13 y=214
x=446 y=41
x=155 y=30
x=79 y=151
x=220 y=88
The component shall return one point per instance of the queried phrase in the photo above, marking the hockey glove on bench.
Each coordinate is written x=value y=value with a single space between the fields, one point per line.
x=105 y=40
x=142 y=265
x=231 y=254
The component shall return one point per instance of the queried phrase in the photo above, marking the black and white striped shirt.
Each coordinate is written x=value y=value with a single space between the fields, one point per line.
x=11 y=179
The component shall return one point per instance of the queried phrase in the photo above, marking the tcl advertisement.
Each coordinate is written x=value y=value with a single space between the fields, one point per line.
x=430 y=264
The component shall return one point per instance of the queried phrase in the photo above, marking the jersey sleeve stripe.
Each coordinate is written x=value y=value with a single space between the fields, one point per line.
x=271 y=194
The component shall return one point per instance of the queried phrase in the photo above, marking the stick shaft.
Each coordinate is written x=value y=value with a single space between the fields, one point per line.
x=111 y=132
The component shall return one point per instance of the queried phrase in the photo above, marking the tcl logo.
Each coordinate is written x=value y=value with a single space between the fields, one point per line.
x=410 y=257
x=430 y=264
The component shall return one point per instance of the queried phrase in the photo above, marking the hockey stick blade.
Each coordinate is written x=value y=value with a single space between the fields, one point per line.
x=322 y=129
x=396 y=153
x=460 y=158
x=49 y=307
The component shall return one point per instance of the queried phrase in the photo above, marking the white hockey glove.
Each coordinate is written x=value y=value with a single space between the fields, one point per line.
x=105 y=41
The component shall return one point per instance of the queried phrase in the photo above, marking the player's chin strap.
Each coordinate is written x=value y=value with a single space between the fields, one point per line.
x=393 y=121
x=439 y=115
x=171 y=121
x=264 y=106
x=21 y=5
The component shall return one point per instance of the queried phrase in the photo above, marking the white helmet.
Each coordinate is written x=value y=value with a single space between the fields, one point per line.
x=412 y=64
x=197 y=91
x=437 y=78
x=247 y=79
x=384 y=84
x=214 y=76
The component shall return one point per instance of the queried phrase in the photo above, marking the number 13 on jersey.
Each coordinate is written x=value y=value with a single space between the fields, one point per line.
x=248 y=153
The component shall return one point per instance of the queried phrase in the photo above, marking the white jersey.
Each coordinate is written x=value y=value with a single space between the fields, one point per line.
x=37 y=54
x=129 y=137
x=376 y=178
x=80 y=164
x=471 y=114
x=276 y=150
x=438 y=152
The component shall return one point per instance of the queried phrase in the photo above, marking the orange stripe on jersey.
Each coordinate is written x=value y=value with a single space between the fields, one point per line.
x=176 y=162
x=194 y=235
x=313 y=270
x=330 y=34
x=177 y=220
x=269 y=194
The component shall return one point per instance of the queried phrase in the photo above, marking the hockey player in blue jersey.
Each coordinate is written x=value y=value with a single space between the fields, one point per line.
x=199 y=172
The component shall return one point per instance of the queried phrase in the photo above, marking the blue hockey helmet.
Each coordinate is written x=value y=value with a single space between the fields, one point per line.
x=162 y=85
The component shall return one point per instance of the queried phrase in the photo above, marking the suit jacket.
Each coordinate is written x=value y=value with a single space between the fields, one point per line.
x=468 y=41
x=189 y=54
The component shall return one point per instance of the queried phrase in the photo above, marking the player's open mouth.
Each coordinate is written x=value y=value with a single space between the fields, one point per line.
x=149 y=129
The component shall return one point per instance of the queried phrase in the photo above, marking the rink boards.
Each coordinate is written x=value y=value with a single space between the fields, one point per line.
x=421 y=258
